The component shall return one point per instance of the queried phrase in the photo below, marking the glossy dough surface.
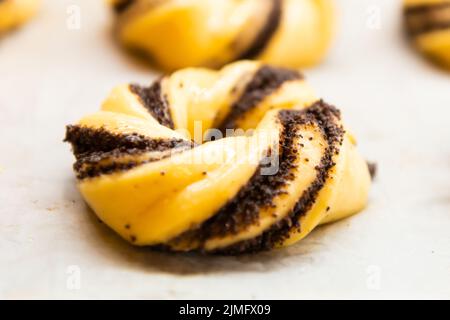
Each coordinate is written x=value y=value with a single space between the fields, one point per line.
x=428 y=25
x=148 y=167
x=15 y=12
x=211 y=33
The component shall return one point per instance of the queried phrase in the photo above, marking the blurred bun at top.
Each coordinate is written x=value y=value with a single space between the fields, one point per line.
x=211 y=33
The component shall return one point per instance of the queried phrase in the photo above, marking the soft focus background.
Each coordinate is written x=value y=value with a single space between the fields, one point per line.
x=54 y=70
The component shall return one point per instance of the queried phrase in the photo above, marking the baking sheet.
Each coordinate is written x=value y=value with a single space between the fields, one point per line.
x=51 y=245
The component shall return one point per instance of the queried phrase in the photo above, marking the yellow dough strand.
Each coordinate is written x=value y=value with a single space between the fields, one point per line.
x=15 y=12
x=428 y=25
x=279 y=165
x=211 y=33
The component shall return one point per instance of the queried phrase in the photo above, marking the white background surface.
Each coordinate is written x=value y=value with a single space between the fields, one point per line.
x=396 y=103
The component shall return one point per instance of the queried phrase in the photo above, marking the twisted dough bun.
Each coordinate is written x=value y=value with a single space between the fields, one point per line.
x=428 y=25
x=155 y=186
x=212 y=33
x=15 y=12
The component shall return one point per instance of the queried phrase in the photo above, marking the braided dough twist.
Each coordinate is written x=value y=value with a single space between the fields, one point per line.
x=212 y=33
x=143 y=175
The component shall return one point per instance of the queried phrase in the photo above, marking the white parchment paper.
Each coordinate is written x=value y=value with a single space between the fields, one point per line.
x=52 y=246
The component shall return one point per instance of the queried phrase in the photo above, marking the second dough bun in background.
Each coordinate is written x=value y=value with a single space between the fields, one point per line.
x=212 y=33
x=428 y=26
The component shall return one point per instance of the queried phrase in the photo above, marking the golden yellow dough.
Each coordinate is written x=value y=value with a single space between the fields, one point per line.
x=211 y=33
x=428 y=25
x=280 y=163
x=15 y=12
